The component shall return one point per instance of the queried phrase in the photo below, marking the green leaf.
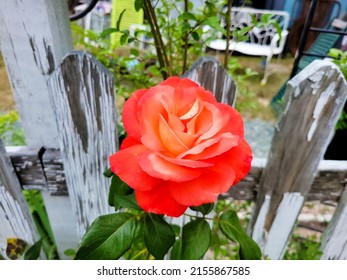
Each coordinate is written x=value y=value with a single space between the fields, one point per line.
x=134 y=52
x=123 y=39
x=70 y=252
x=127 y=201
x=108 y=31
x=230 y=225
x=185 y=27
x=195 y=36
x=335 y=53
x=138 y=5
x=117 y=189
x=120 y=19
x=108 y=173
x=203 y=209
x=159 y=236
x=33 y=253
x=196 y=237
x=108 y=237
x=187 y=16
x=176 y=251
x=214 y=22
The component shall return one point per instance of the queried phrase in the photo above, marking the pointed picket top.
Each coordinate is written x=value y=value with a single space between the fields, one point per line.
x=314 y=101
x=208 y=73
x=86 y=119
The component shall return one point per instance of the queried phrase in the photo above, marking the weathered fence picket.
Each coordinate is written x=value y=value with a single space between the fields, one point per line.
x=314 y=101
x=34 y=37
x=208 y=73
x=86 y=118
x=334 y=239
x=15 y=218
x=66 y=103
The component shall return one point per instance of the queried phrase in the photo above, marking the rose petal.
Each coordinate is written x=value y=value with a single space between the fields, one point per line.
x=159 y=201
x=232 y=120
x=240 y=158
x=216 y=123
x=176 y=123
x=187 y=162
x=206 y=188
x=128 y=142
x=150 y=108
x=211 y=147
x=169 y=139
x=158 y=167
x=192 y=112
x=201 y=123
x=129 y=114
x=125 y=163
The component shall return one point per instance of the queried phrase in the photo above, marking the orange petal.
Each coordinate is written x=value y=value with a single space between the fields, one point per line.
x=125 y=164
x=206 y=188
x=212 y=147
x=159 y=201
x=169 y=139
x=150 y=108
x=129 y=114
x=158 y=167
x=216 y=123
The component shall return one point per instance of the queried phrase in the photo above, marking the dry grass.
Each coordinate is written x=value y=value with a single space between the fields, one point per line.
x=7 y=102
x=253 y=99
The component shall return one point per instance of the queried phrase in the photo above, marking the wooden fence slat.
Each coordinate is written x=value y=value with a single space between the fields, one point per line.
x=334 y=239
x=34 y=37
x=86 y=118
x=314 y=101
x=15 y=218
x=208 y=73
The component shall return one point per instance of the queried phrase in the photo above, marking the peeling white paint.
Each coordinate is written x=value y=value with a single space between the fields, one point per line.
x=321 y=103
x=13 y=222
x=15 y=219
x=34 y=37
x=315 y=78
x=88 y=188
x=283 y=224
x=258 y=233
x=334 y=240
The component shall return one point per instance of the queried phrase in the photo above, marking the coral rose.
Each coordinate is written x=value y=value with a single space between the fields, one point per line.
x=183 y=147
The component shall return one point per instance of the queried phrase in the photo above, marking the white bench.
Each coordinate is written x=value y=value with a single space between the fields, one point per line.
x=264 y=41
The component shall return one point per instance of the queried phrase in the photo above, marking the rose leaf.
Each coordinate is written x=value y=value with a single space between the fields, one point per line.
x=159 y=235
x=203 y=209
x=108 y=237
x=196 y=237
x=117 y=189
x=232 y=229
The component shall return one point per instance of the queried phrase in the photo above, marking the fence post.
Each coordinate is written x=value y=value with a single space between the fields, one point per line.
x=34 y=37
x=83 y=100
x=314 y=101
x=15 y=219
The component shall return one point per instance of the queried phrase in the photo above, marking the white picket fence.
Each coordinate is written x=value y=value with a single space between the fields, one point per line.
x=66 y=103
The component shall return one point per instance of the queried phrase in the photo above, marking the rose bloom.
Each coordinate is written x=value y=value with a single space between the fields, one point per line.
x=183 y=147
